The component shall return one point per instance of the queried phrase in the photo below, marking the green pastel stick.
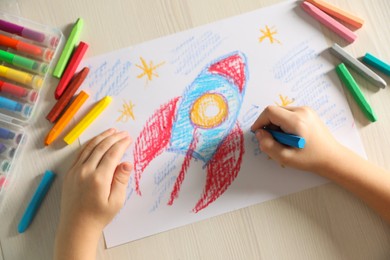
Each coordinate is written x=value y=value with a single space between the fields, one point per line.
x=69 y=47
x=357 y=94
x=18 y=61
x=22 y=62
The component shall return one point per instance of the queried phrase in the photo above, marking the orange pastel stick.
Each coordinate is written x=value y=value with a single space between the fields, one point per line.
x=66 y=117
x=338 y=13
x=24 y=47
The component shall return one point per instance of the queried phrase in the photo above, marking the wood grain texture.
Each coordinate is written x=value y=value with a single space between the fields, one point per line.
x=320 y=223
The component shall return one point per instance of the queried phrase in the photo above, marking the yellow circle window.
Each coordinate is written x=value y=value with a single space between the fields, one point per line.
x=209 y=110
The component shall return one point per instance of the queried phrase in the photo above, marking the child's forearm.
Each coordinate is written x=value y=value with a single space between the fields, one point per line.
x=362 y=178
x=76 y=243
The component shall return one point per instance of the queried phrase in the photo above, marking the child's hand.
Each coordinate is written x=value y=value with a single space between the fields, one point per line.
x=93 y=192
x=320 y=148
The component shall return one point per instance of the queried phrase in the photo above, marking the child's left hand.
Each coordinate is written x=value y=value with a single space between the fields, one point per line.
x=94 y=190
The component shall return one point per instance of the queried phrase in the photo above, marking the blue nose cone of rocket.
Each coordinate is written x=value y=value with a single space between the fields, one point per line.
x=209 y=107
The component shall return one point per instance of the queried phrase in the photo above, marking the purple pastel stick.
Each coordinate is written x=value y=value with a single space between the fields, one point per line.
x=22 y=31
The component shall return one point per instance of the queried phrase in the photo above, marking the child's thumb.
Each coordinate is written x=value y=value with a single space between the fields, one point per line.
x=119 y=183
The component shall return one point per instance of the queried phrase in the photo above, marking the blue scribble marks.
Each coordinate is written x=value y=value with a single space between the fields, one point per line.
x=250 y=117
x=247 y=120
x=256 y=150
x=109 y=79
x=304 y=73
x=194 y=51
x=164 y=180
x=288 y=68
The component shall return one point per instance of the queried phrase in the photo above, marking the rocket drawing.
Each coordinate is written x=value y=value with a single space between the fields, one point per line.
x=201 y=124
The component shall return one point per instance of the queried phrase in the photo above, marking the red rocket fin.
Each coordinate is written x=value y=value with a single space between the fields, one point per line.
x=223 y=168
x=154 y=138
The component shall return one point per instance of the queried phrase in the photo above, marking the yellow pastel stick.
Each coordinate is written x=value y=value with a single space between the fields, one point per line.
x=87 y=120
x=338 y=13
x=25 y=78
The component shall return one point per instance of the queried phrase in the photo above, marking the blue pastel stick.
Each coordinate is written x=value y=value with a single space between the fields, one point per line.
x=36 y=201
x=287 y=139
x=11 y=105
x=377 y=63
x=6 y=133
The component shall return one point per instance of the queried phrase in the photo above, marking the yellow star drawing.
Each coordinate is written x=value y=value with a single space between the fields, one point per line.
x=126 y=112
x=284 y=101
x=267 y=33
x=148 y=70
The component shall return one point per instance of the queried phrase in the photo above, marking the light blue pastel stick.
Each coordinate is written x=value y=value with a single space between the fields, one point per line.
x=36 y=201
x=377 y=63
x=288 y=139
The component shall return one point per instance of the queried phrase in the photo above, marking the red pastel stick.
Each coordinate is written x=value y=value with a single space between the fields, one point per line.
x=29 y=95
x=68 y=94
x=71 y=68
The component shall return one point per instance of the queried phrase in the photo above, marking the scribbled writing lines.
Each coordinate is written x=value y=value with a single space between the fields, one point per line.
x=193 y=51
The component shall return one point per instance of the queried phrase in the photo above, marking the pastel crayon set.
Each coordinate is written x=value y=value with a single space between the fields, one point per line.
x=28 y=54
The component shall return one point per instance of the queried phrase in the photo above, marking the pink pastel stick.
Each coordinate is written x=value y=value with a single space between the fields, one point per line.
x=329 y=22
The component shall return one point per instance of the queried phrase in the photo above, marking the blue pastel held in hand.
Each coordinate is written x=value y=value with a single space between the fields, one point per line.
x=286 y=139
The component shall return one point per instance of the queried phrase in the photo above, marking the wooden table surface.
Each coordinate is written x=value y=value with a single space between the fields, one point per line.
x=320 y=223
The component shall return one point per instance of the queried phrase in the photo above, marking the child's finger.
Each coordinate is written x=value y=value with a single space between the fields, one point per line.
x=119 y=184
x=104 y=147
x=88 y=149
x=272 y=148
x=272 y=115
x=112 y=157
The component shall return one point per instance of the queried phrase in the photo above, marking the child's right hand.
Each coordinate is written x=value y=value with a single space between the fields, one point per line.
x=320 y=149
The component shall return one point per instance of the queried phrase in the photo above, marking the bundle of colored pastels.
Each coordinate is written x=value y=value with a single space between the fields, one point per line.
x=351 y=84
x=25 y=56
x=323 y=12
x=68 y=85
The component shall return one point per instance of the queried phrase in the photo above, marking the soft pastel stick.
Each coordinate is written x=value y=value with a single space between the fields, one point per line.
x=355 y=91
x=15 y=107
x=329 y=22
x=358 y=66
x=377 y=63
x=43 y=53
x=7 y=134
x=40 y=37
x=287 y=139
x=23 y=62
x=34 y=81
x=36 y=201
x=5 y=165
x=71 y=68
x=338 y=13
x=87 y=120
x=67 y=96
x=66 y=117
x=21 y=93
x=69 y=47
